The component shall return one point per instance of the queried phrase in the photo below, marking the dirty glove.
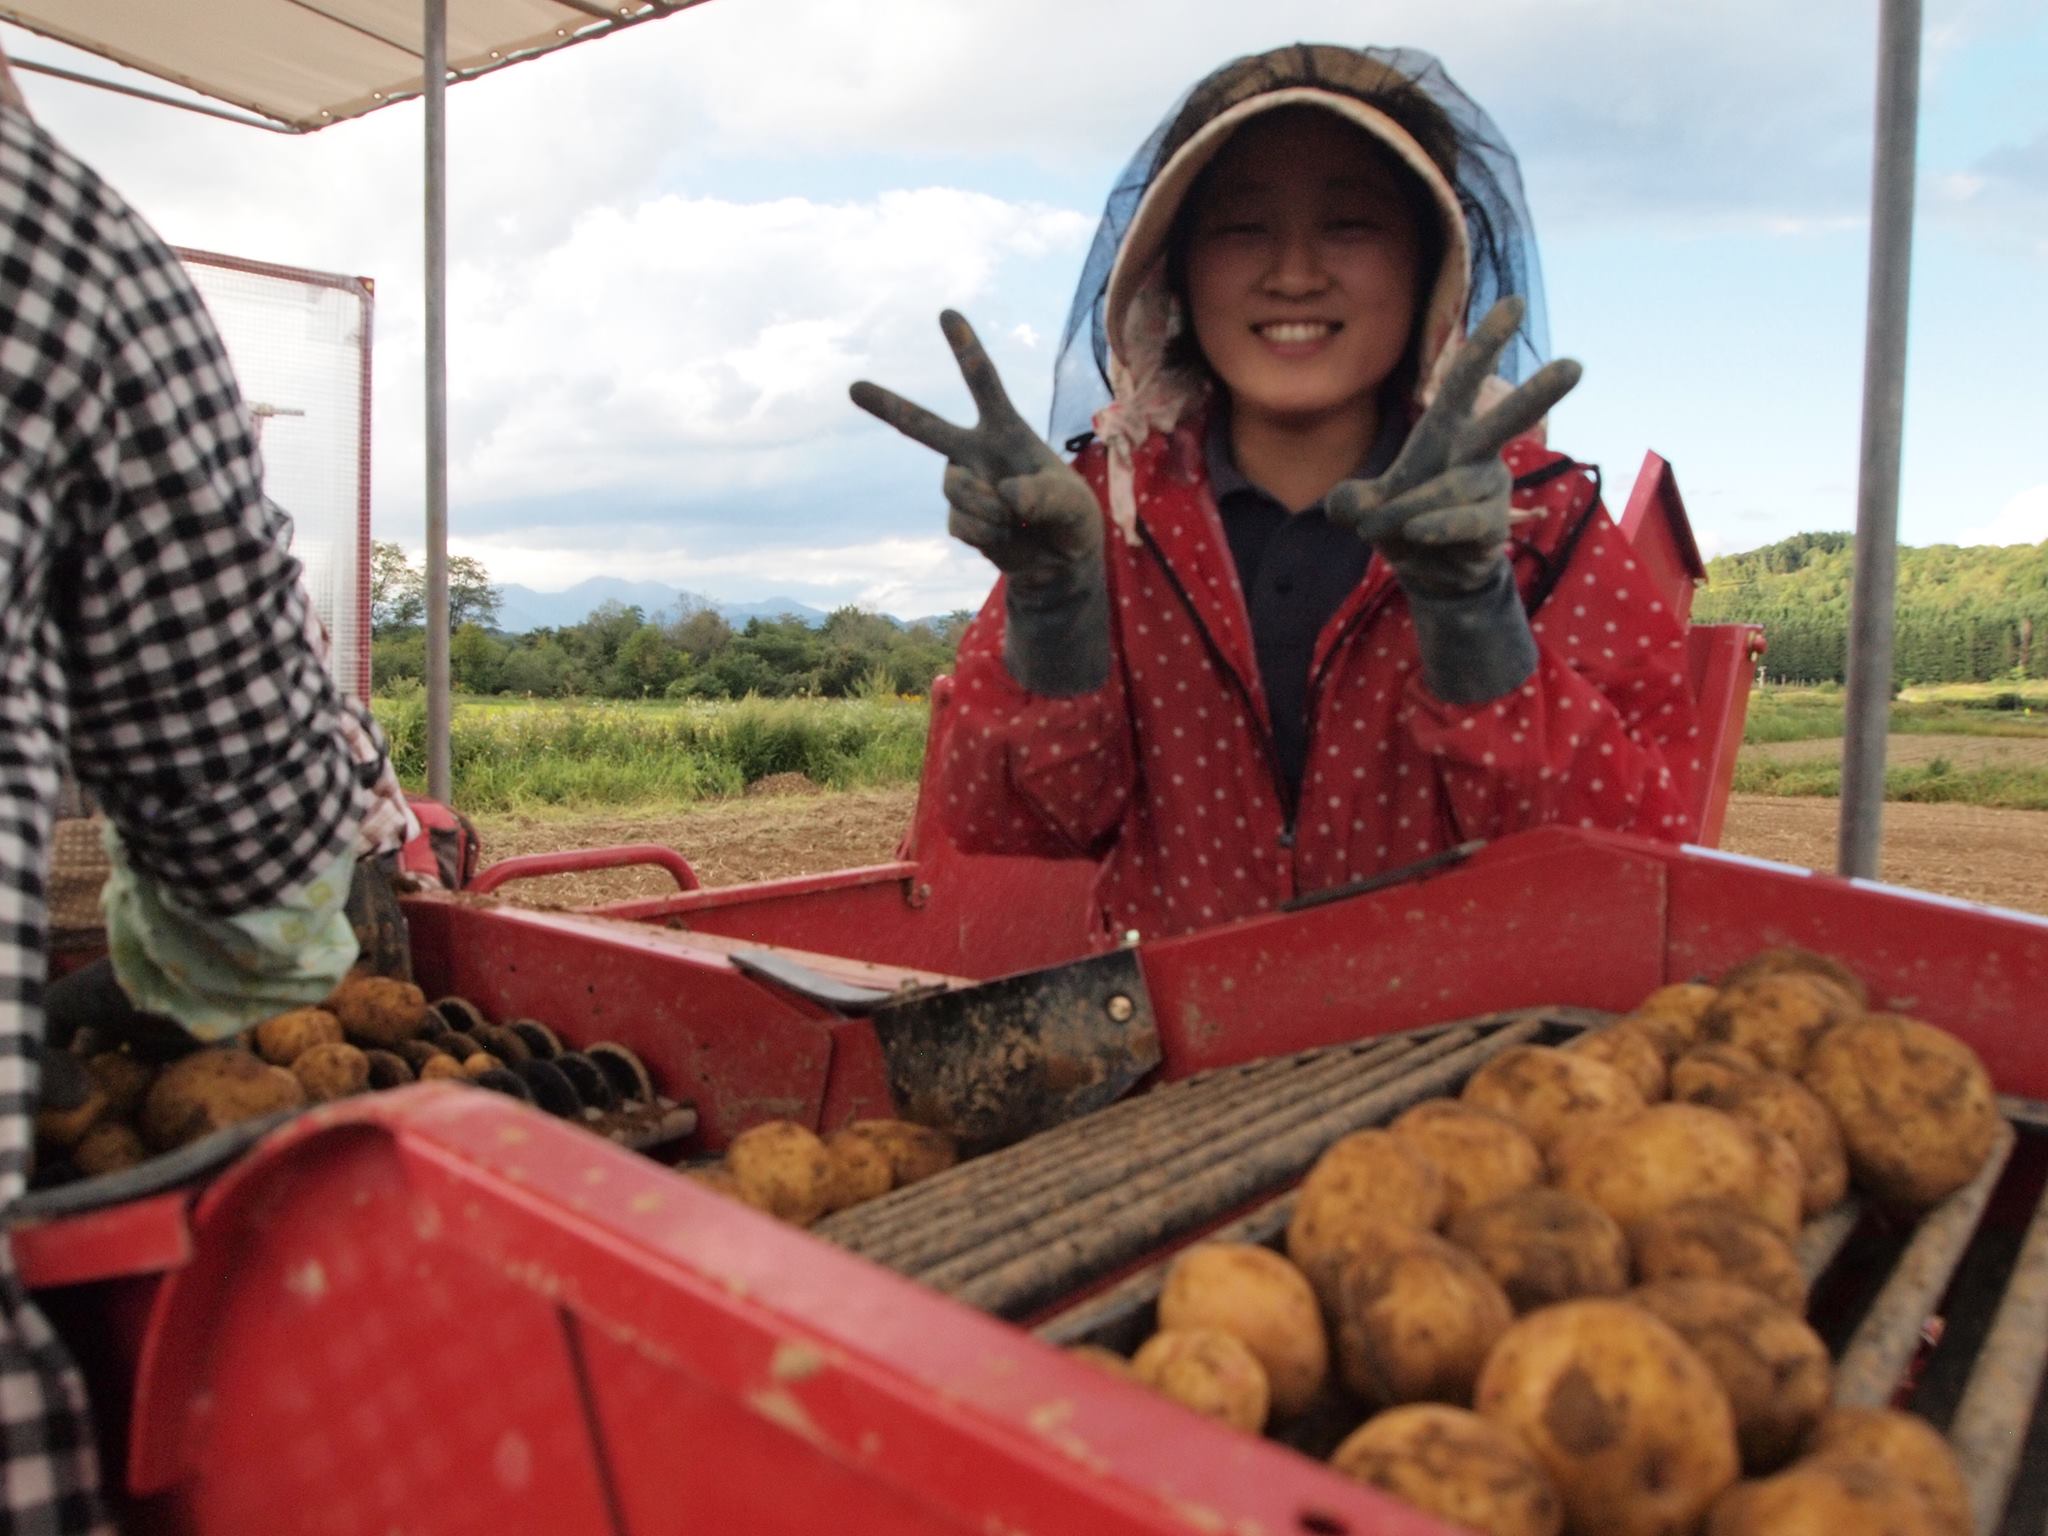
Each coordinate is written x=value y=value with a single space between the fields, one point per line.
x=1014 y=499
x=1440 y=516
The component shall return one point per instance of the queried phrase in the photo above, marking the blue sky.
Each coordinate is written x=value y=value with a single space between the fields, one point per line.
x=672 y=250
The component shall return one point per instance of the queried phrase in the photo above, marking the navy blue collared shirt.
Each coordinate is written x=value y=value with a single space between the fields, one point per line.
x=1296 y=569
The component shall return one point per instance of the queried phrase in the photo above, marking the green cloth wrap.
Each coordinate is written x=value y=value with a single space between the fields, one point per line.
x=217 y=975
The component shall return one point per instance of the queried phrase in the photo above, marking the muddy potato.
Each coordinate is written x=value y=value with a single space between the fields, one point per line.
x=332 y=1071
x=860 y=1171
x=1774 y=1368
x=1719 y=1240
x=1707 y=1067
x=1455 y=1465
x=1915 y=1105
x=1672 y=1153
x=441 y=1067
x=123 y=1079
x=1481 y=1154
x=1415 y=1323
x=1791 y=958
x=915 y=1152
x=1910 y=1447
x=1632 y=1047
x=782 y=1169
x=1630 y=1423
x=1545 y=1246
x=1813 y=1498
x=1207 y=1370
x=1677 y=1010
x=1545 y=1090
x=1777 y=1017
x=1362 y=1185
x=68 y=1127
x=108 y=1148
x=1254 y=1295
x=1783 y=1104
x=212 y=1089
x=378 y=1010
x=284 y=1039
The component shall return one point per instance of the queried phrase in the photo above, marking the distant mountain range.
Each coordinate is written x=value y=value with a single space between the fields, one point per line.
x=522 y=608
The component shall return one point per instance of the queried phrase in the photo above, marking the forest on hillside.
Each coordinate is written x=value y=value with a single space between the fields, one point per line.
x=1972 y=614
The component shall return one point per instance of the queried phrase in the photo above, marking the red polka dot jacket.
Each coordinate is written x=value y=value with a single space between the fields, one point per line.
x=1166 y=773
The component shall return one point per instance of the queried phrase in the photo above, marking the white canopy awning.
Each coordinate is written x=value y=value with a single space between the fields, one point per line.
x=307 y=63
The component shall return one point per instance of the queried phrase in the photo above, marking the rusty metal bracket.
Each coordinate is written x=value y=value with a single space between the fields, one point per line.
x=995 y=1063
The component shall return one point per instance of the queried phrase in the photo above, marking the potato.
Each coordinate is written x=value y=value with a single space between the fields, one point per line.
x=1455 y=1465
x=1773 y=1367
x=1812 y=1498
x=1671 y=1153
x=211 y=1089
x=1631 y=1425
x=1207 y=1370
x=332 y=1071
x=123 y=1079
x=1783 y=1104
x=782 y=1169
x=1362 y=1184
x=1634 y=1049
x=1482 y=1155
x=442 y=1067
x=378 y=1010
x=860 y=1171
x=1710 y=1066
x=914 y=1151
x=1719 y=1240
x=1544 y=1246
x=1544 y=1090
x=68 y=1127
x=1680 y=1006
x=1915 y=1105
x=1254 y=1295
x=1415 y=1323
x=477 y=1063
x=1776 y=1018
x=1791 y=958
x=282 y=1040
x=1909 y=1447
x=108 y=1148
x=1107 y=1360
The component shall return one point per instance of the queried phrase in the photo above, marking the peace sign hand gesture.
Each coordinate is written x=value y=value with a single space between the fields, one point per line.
x=1009 y=494
x=1440 y=513
x=1015 y=500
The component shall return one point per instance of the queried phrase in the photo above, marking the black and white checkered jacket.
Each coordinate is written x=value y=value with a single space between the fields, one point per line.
x=151 y=618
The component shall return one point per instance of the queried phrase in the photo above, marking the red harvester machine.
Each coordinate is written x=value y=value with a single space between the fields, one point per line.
x=438 y=1311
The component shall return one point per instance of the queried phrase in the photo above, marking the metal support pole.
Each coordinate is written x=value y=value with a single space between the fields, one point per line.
x=1884 y=407
x=434 y=83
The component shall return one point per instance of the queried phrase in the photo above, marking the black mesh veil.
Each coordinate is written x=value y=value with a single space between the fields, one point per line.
x=1474 y=157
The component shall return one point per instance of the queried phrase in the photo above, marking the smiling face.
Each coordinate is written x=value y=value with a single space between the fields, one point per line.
x=1303 y=266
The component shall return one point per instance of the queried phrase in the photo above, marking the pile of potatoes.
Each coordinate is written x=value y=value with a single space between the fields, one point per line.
x=372 y=1032
x=799 y=1177
x=1568 y=1299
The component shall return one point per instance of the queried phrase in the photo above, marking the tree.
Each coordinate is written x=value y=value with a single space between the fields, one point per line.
x=700 y=635
x=471 y=597
x=397 y=592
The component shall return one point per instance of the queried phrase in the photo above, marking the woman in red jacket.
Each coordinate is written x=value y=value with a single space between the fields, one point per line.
x=1313 y=600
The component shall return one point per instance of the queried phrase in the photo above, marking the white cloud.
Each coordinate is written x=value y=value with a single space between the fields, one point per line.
x=2022 y=520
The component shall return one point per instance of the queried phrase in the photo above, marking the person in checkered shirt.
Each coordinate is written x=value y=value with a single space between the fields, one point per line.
x=153 y=621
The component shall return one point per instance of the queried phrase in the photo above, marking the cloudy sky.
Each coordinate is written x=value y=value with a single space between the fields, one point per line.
x=672 y=250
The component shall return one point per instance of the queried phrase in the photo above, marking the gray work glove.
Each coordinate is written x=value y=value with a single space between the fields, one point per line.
x=1014 y=499
x=1440 y=516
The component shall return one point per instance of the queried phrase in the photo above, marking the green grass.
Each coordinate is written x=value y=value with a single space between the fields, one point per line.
x=512 y=755
x=1815 y=714
x=2006 y=787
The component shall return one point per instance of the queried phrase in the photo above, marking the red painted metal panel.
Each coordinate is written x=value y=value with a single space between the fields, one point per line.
x=1658 y=528
x=1723 y=658
x=740 y=1052
x=1547 y=917
x=140 y=1237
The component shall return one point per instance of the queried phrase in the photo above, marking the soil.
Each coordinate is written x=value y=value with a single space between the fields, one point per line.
x=1999 y=857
